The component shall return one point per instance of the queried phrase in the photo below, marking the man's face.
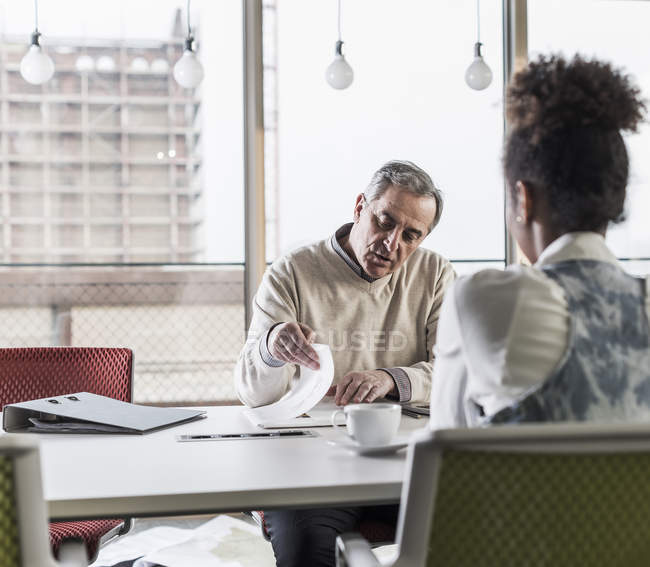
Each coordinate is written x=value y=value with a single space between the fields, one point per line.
x=387 y=230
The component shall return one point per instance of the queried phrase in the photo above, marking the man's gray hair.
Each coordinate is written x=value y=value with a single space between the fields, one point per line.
x=405 y=175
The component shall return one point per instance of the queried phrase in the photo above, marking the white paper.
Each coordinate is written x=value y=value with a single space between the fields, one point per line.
x=223 y=541
x=306 y=391
x=132 y=546
x=319 y=416
x=65 y=426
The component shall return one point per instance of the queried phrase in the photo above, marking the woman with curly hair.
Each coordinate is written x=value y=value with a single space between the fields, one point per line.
x=566 y=339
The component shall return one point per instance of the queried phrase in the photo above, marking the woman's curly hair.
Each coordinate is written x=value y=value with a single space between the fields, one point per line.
x=565 y=140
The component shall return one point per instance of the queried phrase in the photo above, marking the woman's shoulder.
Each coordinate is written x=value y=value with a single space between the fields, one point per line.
x=503 y=316
x=500 y=292
x=499 y=282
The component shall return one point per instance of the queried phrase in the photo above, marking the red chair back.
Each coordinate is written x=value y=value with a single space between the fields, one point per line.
x=41 y=372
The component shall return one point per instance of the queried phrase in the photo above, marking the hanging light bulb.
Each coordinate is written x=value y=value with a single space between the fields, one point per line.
x=36 y=66
x=188 y=70
x=339 y=74
x=478 y=75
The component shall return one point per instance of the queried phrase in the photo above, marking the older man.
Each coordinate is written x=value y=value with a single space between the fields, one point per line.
x=374 y=296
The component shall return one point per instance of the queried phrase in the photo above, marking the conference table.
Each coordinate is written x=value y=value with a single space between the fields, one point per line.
x=108 y=475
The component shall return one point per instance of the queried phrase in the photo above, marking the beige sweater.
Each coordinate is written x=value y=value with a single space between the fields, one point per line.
x=388 y=323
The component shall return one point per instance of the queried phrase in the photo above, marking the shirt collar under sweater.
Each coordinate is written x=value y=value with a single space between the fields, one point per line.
x=354 y=266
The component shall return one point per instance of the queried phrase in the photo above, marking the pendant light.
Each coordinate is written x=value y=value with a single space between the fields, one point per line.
x=478 y=75
x=36 y=66
x=339 y=74
x=188 y=70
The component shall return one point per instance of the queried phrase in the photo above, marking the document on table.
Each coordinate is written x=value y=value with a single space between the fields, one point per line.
x=305 y=393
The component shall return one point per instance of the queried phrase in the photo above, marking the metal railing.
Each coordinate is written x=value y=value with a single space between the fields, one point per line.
x=185 y=323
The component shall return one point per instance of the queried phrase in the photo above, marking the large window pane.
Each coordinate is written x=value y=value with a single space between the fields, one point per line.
x=408 y=101
x=124 y=191
x=615 y=32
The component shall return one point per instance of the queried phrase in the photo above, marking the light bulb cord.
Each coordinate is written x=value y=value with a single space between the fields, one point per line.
x=35 y=34
x=478 y=21
x=189 y=28
x=339 y=19
x=189 y=40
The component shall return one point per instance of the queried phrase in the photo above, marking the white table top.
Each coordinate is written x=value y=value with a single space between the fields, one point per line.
x=155 y=475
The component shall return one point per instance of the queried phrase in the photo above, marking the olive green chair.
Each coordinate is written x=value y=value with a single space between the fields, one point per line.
x=551 y=495
x=24 y=538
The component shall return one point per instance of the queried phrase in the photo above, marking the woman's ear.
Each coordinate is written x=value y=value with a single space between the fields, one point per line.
x=524 y=202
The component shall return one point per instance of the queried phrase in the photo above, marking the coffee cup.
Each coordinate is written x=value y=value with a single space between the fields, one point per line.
x=370 y=424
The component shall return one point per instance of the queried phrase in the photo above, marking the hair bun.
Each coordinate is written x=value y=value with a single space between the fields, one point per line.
x=551 y=94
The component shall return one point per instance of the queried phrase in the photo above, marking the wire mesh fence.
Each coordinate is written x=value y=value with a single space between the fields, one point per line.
x=185 y=324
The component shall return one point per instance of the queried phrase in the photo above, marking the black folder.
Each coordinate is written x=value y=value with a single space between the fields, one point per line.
x=89 y=413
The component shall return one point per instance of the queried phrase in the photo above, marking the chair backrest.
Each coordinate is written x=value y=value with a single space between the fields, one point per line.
x=23 y=521
x=32 y=373
x=541 y=495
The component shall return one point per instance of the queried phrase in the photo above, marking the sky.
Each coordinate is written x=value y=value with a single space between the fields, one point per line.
x=138 y=19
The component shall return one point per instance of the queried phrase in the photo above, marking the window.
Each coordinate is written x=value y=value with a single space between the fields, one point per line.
x=596 y=29
x=121 y=193
x=408 y=101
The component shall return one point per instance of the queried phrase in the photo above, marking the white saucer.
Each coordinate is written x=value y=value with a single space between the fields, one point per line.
x=368 y=450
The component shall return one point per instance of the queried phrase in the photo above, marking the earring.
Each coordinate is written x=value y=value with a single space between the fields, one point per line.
x=518 y=218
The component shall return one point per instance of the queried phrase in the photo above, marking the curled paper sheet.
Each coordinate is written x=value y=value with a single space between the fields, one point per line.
x=305 y=393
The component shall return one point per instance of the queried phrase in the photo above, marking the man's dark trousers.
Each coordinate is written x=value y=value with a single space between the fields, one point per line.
x=306 y=538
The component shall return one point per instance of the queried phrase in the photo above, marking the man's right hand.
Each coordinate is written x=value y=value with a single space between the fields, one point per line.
x=291 y=342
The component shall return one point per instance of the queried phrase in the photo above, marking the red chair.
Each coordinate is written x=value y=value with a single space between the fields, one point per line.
x=32 y=373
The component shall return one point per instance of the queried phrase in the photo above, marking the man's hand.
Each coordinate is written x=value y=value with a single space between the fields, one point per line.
x=357 y=387
x=291 y=342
